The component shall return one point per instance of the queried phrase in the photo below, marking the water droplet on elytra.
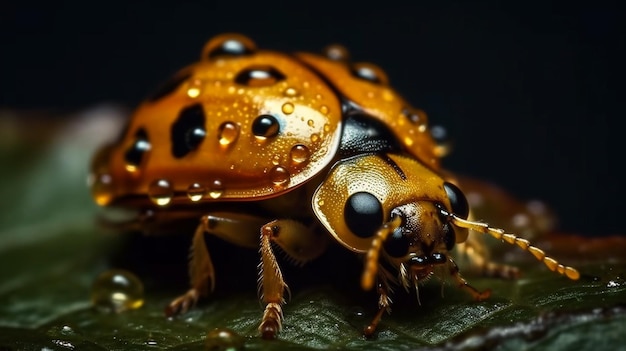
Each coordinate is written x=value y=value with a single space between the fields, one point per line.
x=216 y=189
x=315 y=137
x=228 y=133
x=116 y=291
x=276 y=159
x=101 y=188
x=310 y=123
x=196 y=192
x=161 y=192
x=299 y=154
x=223 y=339
x=288 y=108
x=195 y=89
x=290 y=92
x=324 y=109
x=279 y=175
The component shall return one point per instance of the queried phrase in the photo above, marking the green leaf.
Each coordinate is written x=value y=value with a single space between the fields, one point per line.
x=51 y=251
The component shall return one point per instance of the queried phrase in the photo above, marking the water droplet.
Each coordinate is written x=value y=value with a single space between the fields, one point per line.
x=228 y=45
x=324 y=109
x=288 y=108
x=310 y=123
x=320 y=203
x=279 y=175
x=63 y=331
x=276 y=160
x=290 y=92
x=196 y=192
x=228 y=133
x=299 y=154
x=101 y=188
x=417 y=117
x=326 y=128
x=315 y=137
x=116 y=291
x=161 y=192
x=337 y=52
x=151 y=342
x=222 y=339
x=216 y=189
x=195 y=88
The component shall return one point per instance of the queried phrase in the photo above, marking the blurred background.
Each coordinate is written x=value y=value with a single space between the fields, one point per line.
x=528 y=92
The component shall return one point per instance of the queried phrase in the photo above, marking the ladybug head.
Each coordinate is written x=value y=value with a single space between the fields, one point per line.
x=392 y=209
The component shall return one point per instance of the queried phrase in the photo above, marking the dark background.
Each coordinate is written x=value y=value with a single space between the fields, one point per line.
x=528 y=92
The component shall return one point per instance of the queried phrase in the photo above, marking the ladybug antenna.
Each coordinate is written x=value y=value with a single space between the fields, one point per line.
x=524 y=244
x=371 y=257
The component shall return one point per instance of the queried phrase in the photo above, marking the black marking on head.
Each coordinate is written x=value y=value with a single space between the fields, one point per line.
x=363 y=133
x=266 y=126
x=394 y=165
x=169 y=86
x=259 y=76
x=188 y=131
x=135 y=154
x=231 y=47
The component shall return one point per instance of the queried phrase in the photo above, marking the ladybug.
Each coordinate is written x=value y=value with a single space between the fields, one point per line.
x=266 y=148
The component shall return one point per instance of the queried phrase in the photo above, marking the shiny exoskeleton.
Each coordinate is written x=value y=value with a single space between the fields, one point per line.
x=245 y=132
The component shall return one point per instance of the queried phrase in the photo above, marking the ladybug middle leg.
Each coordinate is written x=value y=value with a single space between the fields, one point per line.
x=299 y=242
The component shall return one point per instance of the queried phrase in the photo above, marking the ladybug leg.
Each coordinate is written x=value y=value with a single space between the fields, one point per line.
x=301 y=244
x=201 y=273
x=477 y=255
x=235 y=228
x=464 y=285
x=384 y=303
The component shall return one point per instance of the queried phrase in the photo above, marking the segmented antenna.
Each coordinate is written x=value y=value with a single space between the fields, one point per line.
x=371 y=257
x=524 y=244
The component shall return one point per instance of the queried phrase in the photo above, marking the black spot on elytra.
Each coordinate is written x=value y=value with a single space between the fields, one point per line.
x=259 y=76
x=135 y=153
x=265 y=126
x=188 y=131
x=169 y=86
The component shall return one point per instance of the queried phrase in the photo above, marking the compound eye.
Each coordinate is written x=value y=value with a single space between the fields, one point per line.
x=363 y=214
x=449 y=236
x=459 y=204
x=397 y=244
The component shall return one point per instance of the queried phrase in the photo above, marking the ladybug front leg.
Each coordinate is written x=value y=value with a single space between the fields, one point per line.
x=384 y=302
x=301 y=244
x=238 y=229
x=464 y=285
